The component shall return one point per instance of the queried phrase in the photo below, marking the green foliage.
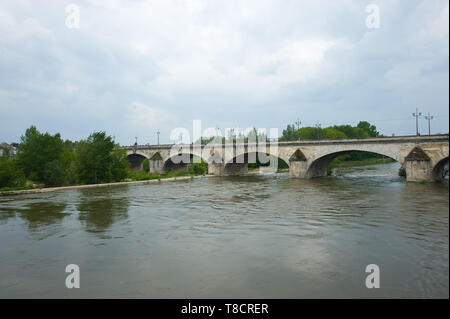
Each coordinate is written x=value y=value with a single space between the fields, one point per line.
x=333 y=133
x=53 y=173
x=36 y=150
x=362 y=130
x=6 y=153
x=146 y=165
x=142 y=176
x=99 y=160
x=11 y=176
x=281 y=164
x=198 y=168
x=290 y=133
x=371 y=130
x=180 y=172
x=120 y=166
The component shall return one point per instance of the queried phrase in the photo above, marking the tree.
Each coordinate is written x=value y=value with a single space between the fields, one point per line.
x=371 y=130
x=36 y=150
x=67 y=161
x=11 y=176
x=120 y=166
x=290 y=133
x=311 y=133
x=99 y=160
x=331 y=133
x=53 y=173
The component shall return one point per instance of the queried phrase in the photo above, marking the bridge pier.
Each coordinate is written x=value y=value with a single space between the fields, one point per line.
x=298 y=169
x=417 y=171
x=156 y=166
x=215 y=169
x=418 y=166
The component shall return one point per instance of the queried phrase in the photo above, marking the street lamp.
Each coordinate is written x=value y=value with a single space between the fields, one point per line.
x=298 y=123
x=318 y=125
x=417 y=115
x=157 y=133
x=429 y=118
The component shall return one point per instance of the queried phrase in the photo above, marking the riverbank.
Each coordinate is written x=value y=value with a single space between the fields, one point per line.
x=364 y=162
x=53 y=189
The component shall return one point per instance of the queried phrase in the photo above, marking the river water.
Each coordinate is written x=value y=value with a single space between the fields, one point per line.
x=260 y=236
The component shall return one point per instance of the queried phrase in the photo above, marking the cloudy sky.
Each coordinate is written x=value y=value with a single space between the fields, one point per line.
x=133 y=67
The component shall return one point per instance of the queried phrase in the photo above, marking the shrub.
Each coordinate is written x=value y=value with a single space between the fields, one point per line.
x=146 y=165
x=11 y=176
x=198 y=168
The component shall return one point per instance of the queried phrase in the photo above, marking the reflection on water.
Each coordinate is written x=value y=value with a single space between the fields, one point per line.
x=98 y=209
x=231 y=237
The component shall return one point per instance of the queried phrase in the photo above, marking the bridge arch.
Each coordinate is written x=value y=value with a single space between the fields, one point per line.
x=239 y=164
x=319 y=166
x=440 y=169
x=136 y=160
x=171 y=165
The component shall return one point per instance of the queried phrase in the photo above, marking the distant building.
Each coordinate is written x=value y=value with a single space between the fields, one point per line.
x=12 y=150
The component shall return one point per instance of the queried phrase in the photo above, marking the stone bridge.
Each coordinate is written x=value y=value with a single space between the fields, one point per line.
x=423 y=157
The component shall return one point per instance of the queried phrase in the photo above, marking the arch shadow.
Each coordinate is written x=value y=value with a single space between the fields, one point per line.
x=319 y=167
x=239 y=165
x=440 y=170
x=136 y=161
x=171 y=165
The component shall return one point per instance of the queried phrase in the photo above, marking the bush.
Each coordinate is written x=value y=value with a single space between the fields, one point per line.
x=198 y=168
x=142 y=176
x=11 y=176
x=180 y=172
x=146 y=165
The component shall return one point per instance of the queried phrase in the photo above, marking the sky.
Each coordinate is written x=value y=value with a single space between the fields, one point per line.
x=133 y=67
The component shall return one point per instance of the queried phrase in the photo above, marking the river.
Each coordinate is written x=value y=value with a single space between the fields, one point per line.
x=259 y=236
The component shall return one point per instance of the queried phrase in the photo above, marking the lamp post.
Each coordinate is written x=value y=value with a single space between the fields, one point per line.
x=157 y=133
x=417 y=115
x=298 y=123
x=429 y=118
x=318 y=126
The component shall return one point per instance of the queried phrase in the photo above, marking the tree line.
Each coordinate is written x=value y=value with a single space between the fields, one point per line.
x=362 y=130
x=48 y=159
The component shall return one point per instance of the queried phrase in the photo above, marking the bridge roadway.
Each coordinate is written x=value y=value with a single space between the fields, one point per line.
x=423 y=157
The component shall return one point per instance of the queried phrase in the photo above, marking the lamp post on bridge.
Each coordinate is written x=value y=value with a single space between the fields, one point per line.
x=417 y=115
x=157 y=133
x=298 y=123
x=318 y=126
x=429 y=118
